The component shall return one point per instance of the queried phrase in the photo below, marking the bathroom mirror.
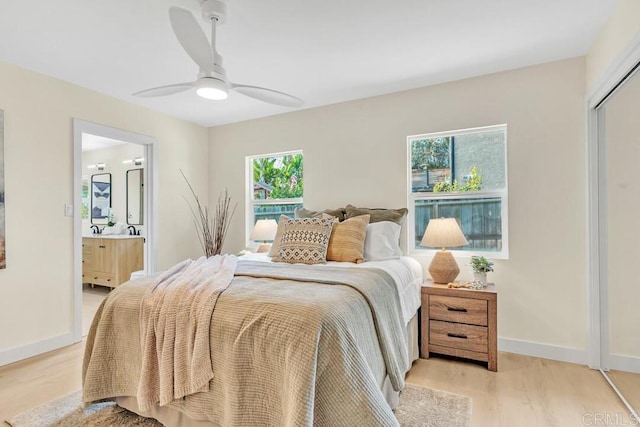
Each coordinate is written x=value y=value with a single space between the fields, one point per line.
x=135 y=196
x=100 y=198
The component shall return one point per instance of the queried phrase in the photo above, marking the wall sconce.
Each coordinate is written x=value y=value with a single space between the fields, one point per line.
x=99 y=166
x=136 y=161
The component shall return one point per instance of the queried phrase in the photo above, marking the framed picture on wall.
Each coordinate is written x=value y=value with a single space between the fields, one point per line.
x=100 y=198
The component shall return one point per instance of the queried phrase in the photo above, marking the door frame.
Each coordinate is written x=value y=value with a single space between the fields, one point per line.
x=150 y=204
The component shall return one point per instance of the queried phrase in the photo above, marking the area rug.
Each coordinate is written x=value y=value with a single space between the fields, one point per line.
x=419 y=406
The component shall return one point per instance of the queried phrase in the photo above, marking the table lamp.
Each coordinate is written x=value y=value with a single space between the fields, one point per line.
x=443 y=233
x=265 y=229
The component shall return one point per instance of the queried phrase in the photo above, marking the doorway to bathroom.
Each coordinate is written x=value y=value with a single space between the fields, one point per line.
x=114 y=233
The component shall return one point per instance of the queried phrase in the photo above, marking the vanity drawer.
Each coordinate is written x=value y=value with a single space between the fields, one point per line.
x=460 y=310
x=456 y=335
x=105 y=279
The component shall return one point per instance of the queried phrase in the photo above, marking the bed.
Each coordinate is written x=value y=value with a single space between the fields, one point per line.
x=290 y=345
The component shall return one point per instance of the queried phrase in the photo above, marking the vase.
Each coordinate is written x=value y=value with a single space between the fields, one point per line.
x=481 y=278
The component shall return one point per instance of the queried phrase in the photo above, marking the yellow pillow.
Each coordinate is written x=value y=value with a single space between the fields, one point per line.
x=346 y=243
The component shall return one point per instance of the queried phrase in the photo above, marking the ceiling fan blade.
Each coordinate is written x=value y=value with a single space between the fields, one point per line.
x=165 y=90
x=268 y=95
x=191 y=37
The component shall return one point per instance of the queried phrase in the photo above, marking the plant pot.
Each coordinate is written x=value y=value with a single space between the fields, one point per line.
x=481 y=278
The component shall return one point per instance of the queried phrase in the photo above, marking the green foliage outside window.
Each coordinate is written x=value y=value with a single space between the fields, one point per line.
x=278 y=177
x=85 y=200
x=431 y=153
x=473 y=183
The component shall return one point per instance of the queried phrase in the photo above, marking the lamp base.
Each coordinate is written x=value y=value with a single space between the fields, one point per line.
x=443 y=267
x=266 y=247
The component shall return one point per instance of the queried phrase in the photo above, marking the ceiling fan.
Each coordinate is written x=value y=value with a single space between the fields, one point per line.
x=212 y=82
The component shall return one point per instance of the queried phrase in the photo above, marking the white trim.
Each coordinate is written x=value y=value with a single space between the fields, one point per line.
x=624 y=363
x=459 y=132
x=545 y=351
x=22 y=352
x=149 y=210
x=603 y=257
x=619 y=68
x=593 y=241
x=598 y=333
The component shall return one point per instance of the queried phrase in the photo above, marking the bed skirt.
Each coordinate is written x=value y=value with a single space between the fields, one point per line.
x=172 y=417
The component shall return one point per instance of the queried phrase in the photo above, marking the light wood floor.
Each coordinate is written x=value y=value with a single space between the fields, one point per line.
x=629 y=385
x=527 y=391
x=91 y=299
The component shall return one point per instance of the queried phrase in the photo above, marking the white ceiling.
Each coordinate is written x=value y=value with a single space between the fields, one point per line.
x=94 y=142
x=322 y=51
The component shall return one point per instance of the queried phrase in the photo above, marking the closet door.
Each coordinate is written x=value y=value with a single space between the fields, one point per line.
x=621 y=354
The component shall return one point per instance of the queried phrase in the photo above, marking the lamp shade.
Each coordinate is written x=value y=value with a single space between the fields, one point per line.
x=443 y=233
x=265 y=229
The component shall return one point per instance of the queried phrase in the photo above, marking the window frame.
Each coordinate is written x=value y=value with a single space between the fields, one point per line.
x=503 y=194
x=250 y=202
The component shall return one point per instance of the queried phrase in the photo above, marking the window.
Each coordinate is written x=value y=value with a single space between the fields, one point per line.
x=275 y=186
x=460 y=174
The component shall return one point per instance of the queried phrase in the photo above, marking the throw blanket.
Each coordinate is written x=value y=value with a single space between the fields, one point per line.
x=175 y=321
x=284 y=352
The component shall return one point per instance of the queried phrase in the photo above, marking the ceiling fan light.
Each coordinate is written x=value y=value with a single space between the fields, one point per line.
x=211 y=88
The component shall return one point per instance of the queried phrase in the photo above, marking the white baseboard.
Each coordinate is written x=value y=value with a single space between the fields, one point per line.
x=625 y=363
x=545 y=351
x=33 y=349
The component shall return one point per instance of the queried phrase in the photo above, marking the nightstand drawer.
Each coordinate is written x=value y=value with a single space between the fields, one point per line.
x=456 y=335
x=460 y=310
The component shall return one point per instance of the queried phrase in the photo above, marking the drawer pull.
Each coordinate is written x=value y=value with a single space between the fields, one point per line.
x=461 y=310
x=102 y=246
x=464 y=337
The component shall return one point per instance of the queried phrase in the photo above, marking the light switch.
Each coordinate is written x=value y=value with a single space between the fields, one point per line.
x=68 y=210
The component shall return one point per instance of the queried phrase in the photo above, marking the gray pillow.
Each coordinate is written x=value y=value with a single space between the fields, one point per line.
x=378 y=214
x=306 y=213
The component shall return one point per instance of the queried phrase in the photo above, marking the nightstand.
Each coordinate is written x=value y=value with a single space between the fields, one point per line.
x=460 y=322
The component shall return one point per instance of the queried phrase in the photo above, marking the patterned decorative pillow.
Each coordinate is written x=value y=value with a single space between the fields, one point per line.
x=347 y=240
x=305 y=240
x=275 y=247
x=306 y=213
x=378 y=214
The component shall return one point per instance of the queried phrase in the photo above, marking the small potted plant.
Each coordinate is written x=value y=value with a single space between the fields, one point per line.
x=481 y=266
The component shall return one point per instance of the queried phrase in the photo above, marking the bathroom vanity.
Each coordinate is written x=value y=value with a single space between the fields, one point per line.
x=110 y=260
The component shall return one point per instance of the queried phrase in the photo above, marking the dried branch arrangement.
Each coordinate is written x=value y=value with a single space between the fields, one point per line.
x=211 y=228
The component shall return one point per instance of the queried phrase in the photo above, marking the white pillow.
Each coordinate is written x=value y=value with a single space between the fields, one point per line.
x=382 y=241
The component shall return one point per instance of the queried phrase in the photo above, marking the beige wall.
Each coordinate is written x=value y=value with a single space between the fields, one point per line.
x=36 y=288
x=623 y=210
x=619 y=30
x=355 y=152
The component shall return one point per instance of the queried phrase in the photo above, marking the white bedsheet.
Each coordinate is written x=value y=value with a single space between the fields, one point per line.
x=405 y=271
